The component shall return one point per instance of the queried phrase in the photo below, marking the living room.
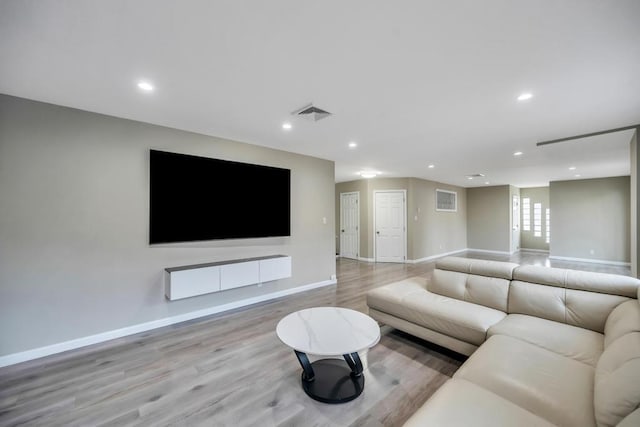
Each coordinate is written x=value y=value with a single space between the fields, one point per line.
x=78 y=274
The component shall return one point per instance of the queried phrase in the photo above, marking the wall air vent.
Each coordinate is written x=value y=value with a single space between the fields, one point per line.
x=311 y=112
x=474 y=175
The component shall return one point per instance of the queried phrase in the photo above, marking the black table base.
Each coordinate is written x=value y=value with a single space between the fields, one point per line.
x=332 y=380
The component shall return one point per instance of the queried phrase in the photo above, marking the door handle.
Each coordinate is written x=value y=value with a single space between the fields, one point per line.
x=377 y=232
x=342 y=231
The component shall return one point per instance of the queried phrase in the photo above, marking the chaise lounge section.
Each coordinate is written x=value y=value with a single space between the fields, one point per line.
x=547 y=346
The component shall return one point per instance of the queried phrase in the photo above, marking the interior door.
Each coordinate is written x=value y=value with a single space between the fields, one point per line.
x=390 y=226
x=350 y=225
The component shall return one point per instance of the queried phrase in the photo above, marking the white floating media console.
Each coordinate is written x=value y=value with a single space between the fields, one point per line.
x=192 y=280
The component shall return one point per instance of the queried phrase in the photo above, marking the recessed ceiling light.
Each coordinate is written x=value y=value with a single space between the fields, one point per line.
x=525 y=96
x=572 y=168
x=368 y=174
x=469 y=177
x=518 y=153
x=286 y=126
x=577 y=175
x=487 y=183
x=431 y=166
x=352 y=144
x=146 y=86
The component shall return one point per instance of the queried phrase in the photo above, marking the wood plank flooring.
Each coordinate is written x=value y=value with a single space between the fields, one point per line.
x=231 y=369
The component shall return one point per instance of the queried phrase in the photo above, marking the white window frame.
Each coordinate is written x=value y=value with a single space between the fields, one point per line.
x=526 y=214
x=455 y=201
x=548 y=225
x=537 y=219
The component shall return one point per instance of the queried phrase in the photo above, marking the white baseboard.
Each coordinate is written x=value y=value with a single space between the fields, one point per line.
x=593 y=261
x=542 y=251
x=432 y=257
x=36 y=353
x=486 y=251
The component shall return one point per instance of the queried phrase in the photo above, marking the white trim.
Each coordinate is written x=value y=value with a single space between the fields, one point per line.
x=486 y=251
x=36 y=353
x=432 y=257
x=404 y=213
x=593 y=261
x=357 y=193
x=544 y=251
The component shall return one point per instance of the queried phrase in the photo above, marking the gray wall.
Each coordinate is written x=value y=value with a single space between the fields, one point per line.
x=527 y=238
x=489 y=218
x=432 y=233
x=74 y=252
x=590 y=218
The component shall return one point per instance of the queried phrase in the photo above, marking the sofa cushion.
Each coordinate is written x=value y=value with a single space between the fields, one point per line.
x=580 y=344
x=617 y=380
x=488 y=291
x=624 y=319
x=556 y=388
x=479 y=267
x=604 y=283
x=460 y=403
x=386 y=298
x=578 y=308
x=410 y=301
x=631 y=420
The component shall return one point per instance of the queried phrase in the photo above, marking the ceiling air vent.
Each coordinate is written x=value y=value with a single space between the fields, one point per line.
x=311 y=112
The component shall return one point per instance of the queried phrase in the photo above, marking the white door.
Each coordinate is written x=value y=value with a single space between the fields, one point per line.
x=389 y=226
x=350 y=225
x=515 y=224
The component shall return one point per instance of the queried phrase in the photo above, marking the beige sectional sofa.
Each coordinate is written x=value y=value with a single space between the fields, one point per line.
x=547 y=346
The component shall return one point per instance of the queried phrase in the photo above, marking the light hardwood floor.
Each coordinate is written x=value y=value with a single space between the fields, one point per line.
x=231 y=369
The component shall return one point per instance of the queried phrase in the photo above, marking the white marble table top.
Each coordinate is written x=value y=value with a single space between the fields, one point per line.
x=328 y=331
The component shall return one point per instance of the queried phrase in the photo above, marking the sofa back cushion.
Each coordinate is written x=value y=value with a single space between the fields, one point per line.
x=473 y=280
x=584 y=309
x=624 y=319
x=478 y=267
x=487 y=291
x=604 y=283
x=617 y=380
x=578 y=298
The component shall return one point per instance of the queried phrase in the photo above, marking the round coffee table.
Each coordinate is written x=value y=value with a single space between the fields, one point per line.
x=330 y=331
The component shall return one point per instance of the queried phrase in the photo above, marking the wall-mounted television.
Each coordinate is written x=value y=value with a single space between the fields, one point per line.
x=195 y=198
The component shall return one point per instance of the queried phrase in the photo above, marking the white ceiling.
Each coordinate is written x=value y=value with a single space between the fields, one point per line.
x=412 y=82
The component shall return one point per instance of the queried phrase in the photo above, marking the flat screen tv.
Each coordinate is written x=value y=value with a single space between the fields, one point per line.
x=196 y=198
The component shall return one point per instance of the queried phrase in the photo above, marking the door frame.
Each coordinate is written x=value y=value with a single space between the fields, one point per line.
x=404 y=216
x=516 y=224
x=357 y=193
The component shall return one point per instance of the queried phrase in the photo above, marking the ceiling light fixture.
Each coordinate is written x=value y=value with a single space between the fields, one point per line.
x=487 y=183
x=286 y=126
x=369 y=174
x=577 y=175
x=572 y=168
x=469 y=177
x=352 y=144
x=431 y=166
x=525 y=96
x=518 y=153
x=145 y=86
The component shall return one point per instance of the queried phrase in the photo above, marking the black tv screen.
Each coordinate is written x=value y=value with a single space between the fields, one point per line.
x=196 y=198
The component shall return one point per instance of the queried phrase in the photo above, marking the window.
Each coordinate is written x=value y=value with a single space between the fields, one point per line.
x=526 y=214
x=446 y=201
x=548 y=225
x=537 y=219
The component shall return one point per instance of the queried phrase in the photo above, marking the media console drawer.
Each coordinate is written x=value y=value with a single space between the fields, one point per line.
x=192 y=280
